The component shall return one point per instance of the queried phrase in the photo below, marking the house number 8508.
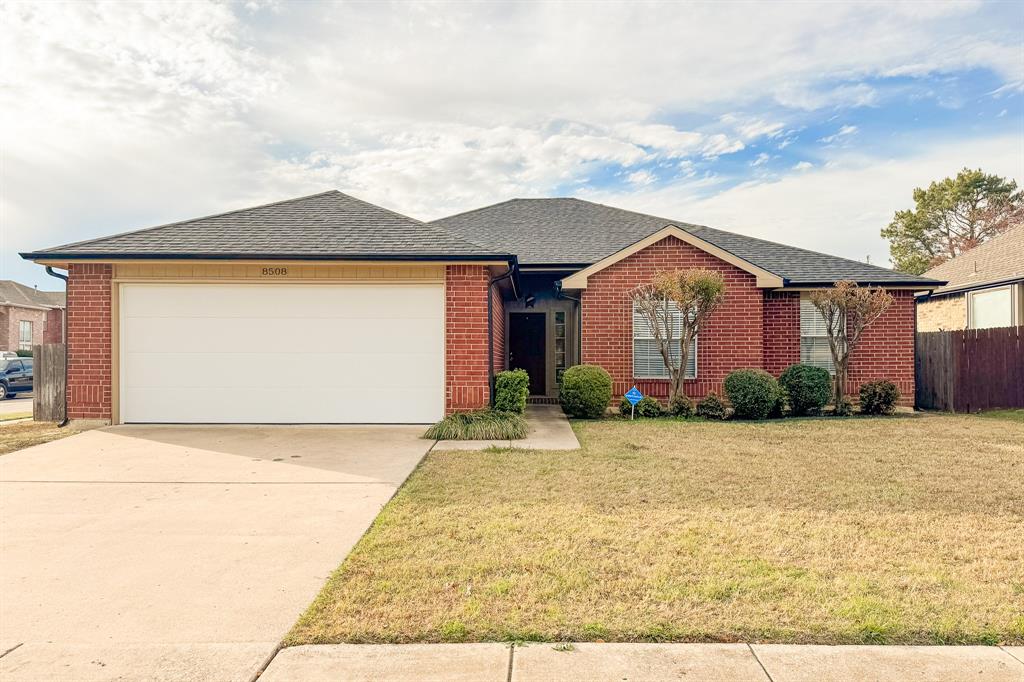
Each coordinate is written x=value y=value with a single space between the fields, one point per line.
x=275 y=272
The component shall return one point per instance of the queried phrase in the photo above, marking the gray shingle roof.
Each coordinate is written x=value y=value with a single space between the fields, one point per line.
x=999 y=259
x=15 y=293
x=330 y=225
x=576 y=232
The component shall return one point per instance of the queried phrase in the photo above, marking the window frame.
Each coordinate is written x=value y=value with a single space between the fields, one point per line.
x=805 y=359
x=22 y=326
x=991 y=290
x=694 y=350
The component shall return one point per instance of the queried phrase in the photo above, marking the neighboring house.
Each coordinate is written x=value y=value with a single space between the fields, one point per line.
x=985 y=287
x=329 y=309
x=29 y=317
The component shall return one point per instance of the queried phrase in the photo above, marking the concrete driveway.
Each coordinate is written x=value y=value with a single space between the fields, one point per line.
x=19 y=404
x=178 y=553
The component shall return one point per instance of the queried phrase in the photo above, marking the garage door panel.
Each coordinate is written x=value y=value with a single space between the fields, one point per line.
x=276 y=336
x=326 y=406
x=280 y=301
x=282 y=353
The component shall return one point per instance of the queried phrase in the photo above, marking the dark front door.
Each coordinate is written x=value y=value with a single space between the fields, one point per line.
x=527 y=334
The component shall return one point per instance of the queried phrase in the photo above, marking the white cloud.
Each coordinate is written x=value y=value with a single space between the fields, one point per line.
x=803 y=165
x=115 y=116
x=641 y=177
x=838 y=209
x=842 y=132
x=761 y=159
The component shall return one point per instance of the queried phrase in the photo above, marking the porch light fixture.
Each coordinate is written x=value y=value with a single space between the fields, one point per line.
x=530 y=300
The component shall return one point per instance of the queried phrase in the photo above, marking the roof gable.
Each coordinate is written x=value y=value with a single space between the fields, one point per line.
x=765 y=279
x=16 y=293
x=329 y=225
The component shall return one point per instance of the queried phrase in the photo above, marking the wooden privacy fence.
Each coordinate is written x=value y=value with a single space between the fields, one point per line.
x=48 y=382
x=970 y=369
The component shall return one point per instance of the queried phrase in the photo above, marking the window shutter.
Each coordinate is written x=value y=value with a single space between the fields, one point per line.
x=647 y=360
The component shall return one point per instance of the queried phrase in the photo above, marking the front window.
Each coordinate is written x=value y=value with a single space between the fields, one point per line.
x=991 y=308
x=647 y=360
x=814 y=348
x=24 y=335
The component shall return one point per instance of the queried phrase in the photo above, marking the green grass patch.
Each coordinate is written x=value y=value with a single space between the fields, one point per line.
x=479 y=425
x=894 y=530
x=1005 y=415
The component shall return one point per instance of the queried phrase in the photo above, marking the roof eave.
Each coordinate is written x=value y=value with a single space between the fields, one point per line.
x=58 y=256
x=963 y=288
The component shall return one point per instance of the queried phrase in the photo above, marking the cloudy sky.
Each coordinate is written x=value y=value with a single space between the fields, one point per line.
x=798 y=122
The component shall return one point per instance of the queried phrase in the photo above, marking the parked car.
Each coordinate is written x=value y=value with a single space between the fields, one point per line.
x=16 y=377
x=8 y=354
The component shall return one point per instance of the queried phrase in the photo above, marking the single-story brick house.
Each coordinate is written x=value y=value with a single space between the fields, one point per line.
x=327 y=309
x=984 y=287
x=28 y=316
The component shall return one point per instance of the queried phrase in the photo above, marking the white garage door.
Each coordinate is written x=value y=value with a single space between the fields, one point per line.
x=281 y=354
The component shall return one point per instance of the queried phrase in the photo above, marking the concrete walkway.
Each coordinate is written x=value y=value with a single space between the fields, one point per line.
x=180 y=553
x=549 y=430
x=647 y=662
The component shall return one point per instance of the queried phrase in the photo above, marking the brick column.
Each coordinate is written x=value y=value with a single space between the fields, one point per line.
x=89 y=339
x=467 y=382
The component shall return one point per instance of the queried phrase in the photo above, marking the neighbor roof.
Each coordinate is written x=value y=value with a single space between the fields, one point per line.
x=15 y=293
x=330 y=226
x=1000 y=259
x=574 y=232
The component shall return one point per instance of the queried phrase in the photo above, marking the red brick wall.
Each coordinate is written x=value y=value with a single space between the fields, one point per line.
x=732 y=339
x=54 y=326
x=781 y=330
x=886 y=350
x=89 y=338
x=467 y=380
x=498 y=325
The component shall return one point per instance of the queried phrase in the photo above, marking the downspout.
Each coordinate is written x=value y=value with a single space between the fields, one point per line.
x=490 y=326
x=64 y=335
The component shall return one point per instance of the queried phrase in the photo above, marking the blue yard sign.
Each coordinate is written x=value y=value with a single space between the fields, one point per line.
x=633 y=396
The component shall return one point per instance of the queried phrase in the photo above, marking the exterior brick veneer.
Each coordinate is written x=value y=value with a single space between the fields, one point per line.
x=89 y=338
x=886 y=350
x=733 y=337
x=467 y=380
x=752 y=328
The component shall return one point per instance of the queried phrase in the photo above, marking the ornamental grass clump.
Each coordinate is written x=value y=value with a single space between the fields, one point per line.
x=479 y=425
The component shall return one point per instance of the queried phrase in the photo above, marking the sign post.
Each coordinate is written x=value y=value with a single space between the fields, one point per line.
x=633 y=396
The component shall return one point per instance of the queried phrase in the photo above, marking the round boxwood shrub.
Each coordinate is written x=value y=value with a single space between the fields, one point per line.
x=511 y=388
x=808 y=388
x=649 y=407
x=753 y=393
x=585 y=392
x=680 y=406
x=711 y=407
x=878 y=397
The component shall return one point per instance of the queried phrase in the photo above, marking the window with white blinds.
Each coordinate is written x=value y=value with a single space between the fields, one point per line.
x=647 y=360
x=814 y=348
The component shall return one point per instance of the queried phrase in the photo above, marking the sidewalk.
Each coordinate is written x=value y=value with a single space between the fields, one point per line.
x=647 y=662
x=549 y=430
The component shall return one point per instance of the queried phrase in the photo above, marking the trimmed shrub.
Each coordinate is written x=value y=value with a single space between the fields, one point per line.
x=753 y=393
x=479 y=425
x=878 y=397
x=23 y=353
x=807 y=388
x=585 y=392
x=510 y=390
x=649 y=407
x=625 y=407
x=711 y=407
x=680 y=406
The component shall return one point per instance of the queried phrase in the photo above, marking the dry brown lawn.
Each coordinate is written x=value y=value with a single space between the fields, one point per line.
x=903 y=529
x=26 y=434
